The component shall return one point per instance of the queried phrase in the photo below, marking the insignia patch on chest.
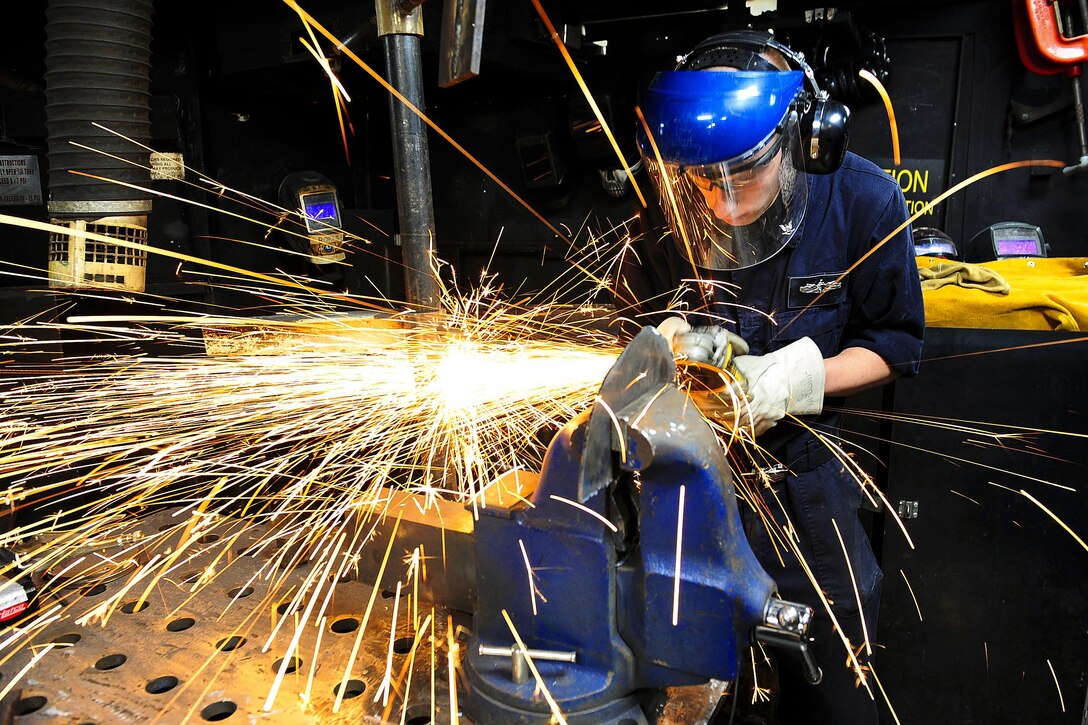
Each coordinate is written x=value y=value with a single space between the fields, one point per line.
x=819 y=290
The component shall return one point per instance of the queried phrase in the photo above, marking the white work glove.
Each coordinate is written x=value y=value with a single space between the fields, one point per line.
x=790 y=380
x=701 y=344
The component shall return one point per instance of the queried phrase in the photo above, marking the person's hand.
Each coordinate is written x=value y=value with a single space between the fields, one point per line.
x=711 y=344
x=789 y=380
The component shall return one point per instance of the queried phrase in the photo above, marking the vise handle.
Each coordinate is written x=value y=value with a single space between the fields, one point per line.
x=785 y=625
x=519 y=668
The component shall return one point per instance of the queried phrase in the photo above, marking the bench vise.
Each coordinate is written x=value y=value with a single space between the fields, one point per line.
x=666 y=593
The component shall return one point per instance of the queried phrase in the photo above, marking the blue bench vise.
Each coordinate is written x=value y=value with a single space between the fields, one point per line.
x=599 y=622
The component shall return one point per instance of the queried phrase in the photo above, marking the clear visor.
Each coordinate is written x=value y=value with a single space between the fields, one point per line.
x=736 y=213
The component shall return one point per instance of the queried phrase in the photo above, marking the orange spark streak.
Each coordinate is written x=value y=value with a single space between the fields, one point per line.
x=589 y=97
x=888 y=107
x=616 y=425
x=885 y=694
x=339 y=93
x=19 y=675
x=1012 y=349
x=966 y=497
x=451 y=666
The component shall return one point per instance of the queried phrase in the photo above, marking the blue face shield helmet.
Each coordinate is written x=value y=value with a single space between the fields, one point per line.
x=728 y=163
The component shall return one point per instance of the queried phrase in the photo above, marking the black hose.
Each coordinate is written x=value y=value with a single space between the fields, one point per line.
x=97 y=69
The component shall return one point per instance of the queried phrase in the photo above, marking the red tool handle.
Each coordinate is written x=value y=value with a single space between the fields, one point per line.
x=1043 y=49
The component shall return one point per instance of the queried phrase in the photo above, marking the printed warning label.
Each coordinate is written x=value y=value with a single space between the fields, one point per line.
x=20 y=181
x=167 y=166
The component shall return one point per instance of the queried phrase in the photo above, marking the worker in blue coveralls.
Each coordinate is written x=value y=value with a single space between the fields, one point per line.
x=773 y=230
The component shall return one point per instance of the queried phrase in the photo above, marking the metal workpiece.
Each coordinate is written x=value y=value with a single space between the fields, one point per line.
x=642 y=370
x=461 y=45
x=444 y=530
x=211 y=649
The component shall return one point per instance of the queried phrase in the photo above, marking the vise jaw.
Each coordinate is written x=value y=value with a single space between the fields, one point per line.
x=623 y=597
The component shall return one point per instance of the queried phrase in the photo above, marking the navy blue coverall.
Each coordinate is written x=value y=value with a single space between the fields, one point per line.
x=877 y=306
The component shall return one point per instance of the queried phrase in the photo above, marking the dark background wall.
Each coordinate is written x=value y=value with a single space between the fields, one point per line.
x=236 y=93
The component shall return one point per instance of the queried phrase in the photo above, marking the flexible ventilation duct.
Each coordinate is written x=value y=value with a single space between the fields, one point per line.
x=97 y=70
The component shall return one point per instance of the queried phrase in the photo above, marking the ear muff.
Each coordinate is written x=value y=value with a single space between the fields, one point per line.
x=825 y=131
x=825 y=122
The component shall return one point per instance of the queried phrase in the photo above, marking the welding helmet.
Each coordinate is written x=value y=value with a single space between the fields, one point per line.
x=729 y=134
x=931 y=242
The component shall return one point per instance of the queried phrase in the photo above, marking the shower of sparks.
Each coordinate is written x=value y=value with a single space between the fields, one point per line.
x=308 y=443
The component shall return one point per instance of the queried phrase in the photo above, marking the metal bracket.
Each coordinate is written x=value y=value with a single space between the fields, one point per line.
x=907 y=509
x=396 y=17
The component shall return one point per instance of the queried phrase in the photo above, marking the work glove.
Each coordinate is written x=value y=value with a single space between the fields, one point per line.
x=712 y=345
x=789 y=380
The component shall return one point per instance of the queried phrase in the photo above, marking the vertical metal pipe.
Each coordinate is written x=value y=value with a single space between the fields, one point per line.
x=412 y=165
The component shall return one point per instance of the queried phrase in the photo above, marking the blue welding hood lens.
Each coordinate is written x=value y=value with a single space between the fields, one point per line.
x=702 y=117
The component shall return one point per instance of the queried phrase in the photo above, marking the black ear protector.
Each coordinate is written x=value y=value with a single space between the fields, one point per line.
x=824 y=122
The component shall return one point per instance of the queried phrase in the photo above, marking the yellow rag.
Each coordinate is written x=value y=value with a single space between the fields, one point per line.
x=1045 y=294
x=961 y=274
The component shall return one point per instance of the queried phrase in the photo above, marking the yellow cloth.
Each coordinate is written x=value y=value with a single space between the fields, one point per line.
x=1045 y=294
x=974 y=276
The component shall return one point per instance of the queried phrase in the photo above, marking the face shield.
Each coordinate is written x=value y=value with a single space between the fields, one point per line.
x=730 y=177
